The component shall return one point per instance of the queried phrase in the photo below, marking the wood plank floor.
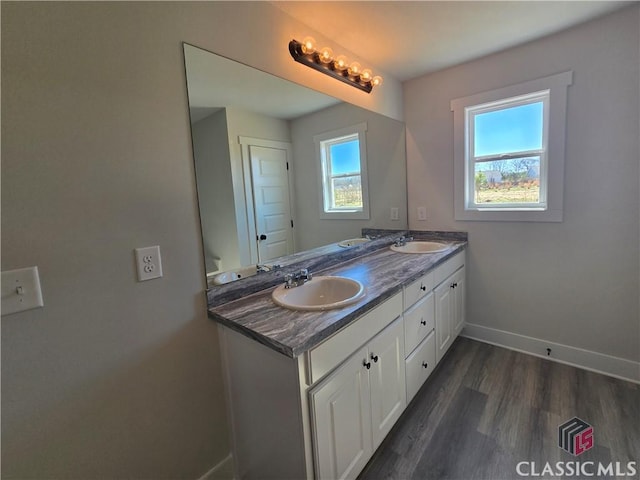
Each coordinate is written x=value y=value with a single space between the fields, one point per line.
x=486 y=408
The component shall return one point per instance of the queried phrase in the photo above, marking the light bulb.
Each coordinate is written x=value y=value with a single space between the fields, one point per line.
x=308 y=45
x=377 y=80
x=341 y=63
x=366 y=75
x=354 y=69
x=326 y=55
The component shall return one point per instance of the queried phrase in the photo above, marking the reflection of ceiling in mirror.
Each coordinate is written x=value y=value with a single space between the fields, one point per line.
x=215 y=82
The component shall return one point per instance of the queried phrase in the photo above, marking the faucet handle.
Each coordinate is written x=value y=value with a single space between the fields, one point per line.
x=305 y=274
x=288 y=280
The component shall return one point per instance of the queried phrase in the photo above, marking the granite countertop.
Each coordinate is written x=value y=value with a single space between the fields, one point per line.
x=383 y=272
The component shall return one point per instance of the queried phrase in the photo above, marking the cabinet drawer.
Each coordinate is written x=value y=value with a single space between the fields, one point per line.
x=333 y=351
x=419 y=321
x=447 y=268
x=418 y=289
x=420 y=364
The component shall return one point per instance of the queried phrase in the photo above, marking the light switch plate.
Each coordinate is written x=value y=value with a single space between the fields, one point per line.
x=21 y=290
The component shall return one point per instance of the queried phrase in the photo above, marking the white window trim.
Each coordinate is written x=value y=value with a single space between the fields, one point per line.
x=359 y=129
x=557 y=111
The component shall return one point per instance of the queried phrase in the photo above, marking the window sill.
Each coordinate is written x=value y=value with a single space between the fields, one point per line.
x=353 y=215
x=497 y=215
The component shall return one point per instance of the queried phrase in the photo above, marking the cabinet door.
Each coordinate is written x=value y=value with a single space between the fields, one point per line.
x=341 y=412
x=387 y=377
x=443 y=296
x=458 y=301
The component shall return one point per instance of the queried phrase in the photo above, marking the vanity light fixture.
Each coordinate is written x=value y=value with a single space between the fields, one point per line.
x=323 y=60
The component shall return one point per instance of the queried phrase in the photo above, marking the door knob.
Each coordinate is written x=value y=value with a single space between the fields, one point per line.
x=262 y=237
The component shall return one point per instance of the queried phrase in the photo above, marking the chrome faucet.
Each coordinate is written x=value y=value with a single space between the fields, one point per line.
x=402 y=241
x=296 y=279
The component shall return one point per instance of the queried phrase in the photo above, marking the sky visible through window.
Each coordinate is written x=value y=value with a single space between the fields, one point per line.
x=345 y=158
x=508 y=130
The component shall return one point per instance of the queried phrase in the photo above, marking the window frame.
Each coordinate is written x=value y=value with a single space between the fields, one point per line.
x=550 y=207
x=323 y=142
x=472 y=159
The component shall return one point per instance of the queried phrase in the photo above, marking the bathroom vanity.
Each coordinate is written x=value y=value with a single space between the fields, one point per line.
x=312 y=394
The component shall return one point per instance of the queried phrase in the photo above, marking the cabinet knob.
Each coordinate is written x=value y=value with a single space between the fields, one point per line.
x=423 y=288
x=454 y=285
x=423 y=322
x=366 y=364
x=374 y=358
x=425 y=364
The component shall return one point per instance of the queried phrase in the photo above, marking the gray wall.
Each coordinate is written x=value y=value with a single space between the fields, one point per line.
x=114 y=378
x=215 y=192
x=576 y=282
x=386 y=167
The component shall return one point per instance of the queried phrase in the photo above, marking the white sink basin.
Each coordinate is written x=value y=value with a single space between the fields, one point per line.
x=352 y=241
x=233 y=275
x=421 y=247
x=319 y=293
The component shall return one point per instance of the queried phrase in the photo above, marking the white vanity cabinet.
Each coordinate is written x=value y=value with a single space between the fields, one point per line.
x=449 y=303
x=341 y=412
x=459 y=294
x=356 y=406
x=433 y=317
x=419 y=323
x=419 y=365
x=322 y=414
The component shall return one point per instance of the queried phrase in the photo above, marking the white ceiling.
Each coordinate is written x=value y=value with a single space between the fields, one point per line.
x=405 y=38
x=411 y=38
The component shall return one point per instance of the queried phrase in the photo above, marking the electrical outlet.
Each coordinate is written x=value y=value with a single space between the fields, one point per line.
x=394 y=213
x=21 y=290
x=149 y=263
x=422 y=213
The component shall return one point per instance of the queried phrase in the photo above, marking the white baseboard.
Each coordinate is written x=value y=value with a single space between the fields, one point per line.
x=222 y=471
x=577 y=357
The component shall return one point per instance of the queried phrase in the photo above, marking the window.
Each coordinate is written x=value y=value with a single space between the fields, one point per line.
x=509 y=152
x=343 y=173
x=506 y=153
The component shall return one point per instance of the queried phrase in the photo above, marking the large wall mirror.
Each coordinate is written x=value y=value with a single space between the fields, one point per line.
x=258 y=153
